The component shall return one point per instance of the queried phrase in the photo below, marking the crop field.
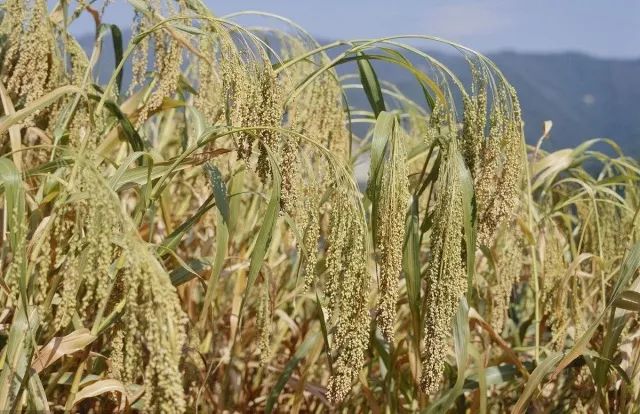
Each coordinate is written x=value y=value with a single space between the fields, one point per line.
x=239 y=218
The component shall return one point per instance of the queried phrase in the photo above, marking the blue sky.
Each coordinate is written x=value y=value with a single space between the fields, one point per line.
x=597 y=27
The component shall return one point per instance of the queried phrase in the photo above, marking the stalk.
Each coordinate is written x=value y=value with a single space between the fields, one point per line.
x=534 y=266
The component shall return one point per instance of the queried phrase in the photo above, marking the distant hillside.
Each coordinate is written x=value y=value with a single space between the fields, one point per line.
x=585 y=97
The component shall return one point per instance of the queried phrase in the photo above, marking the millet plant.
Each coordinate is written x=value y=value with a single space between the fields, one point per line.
x=195 y=234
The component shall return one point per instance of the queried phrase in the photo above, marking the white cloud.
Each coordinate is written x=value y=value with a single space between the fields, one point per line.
x=588 y=99
x=481 y=18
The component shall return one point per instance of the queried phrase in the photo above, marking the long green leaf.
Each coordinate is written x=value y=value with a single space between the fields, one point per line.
x=128 y=129
x=382 y=136
x=116 y=37
x=370 y=83
x=411 y=267
x=222 y=235
x=266 y=232
x=469 y=213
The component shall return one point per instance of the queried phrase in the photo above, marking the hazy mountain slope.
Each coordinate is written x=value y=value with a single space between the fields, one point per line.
x=585 y=97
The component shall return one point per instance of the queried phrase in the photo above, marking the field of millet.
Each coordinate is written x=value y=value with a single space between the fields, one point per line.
x=190 y=234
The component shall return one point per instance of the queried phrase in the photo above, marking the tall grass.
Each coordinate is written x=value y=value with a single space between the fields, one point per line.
x=200 y=239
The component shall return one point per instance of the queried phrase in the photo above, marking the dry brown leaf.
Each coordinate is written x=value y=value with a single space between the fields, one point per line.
x=60 y=346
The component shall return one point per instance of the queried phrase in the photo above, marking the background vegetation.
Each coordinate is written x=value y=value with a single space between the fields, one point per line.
x=203 y=238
